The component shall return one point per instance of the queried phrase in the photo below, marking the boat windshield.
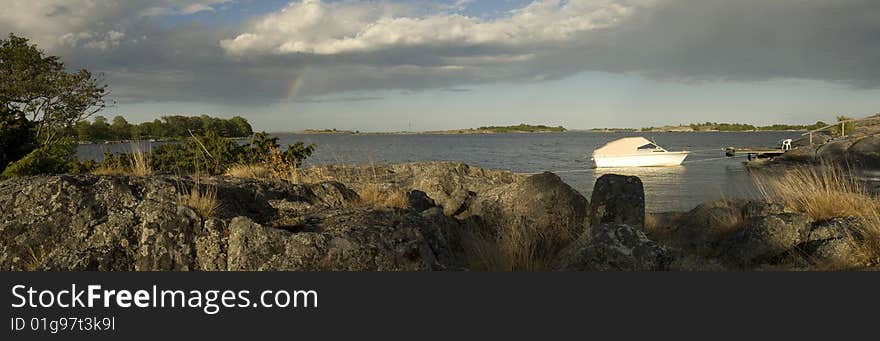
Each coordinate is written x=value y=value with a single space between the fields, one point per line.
x=649 y=146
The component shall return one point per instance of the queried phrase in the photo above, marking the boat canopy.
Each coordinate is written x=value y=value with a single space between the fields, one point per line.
x=628 y=146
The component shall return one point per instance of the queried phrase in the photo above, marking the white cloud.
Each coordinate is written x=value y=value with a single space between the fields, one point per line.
x=55 y=24
x=317 y=27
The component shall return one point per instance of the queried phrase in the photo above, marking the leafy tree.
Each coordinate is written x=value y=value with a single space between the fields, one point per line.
x=40 y=87
x=100 y=129
x=16 y=136
x=120 y=128
x=848 y=126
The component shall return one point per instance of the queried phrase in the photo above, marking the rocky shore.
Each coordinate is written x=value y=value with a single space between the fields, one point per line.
x=455 y=217
x=860 y=148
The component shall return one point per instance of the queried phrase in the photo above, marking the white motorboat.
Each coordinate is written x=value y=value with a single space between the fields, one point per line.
x=636 y=152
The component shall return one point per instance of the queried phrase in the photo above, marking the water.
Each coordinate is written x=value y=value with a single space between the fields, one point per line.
x=568 y=154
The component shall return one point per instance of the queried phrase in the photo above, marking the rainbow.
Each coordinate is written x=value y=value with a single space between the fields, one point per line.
x=295 y=86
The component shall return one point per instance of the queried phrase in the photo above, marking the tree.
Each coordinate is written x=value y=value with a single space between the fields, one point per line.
x=16 y=136
x=100 y=129
x=846 y=124
x=40 y=87
x=120 y=128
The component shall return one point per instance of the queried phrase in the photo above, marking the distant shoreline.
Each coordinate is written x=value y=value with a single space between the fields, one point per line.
x=481 y=132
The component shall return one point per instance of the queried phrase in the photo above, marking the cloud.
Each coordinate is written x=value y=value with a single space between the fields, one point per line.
x=60 y=24
x=316 y=27
x=337 y=48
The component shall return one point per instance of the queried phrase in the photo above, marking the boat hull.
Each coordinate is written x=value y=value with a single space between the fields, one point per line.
x=666 y=159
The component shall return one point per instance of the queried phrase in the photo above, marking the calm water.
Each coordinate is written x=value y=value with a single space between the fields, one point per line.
x=670 y=188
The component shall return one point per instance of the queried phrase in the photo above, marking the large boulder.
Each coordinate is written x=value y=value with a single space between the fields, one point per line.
x=834 y=150
x=349 y=240
x=763 y=240
x=834 y=243
x=700 y=229
x=541 y=202
x=614 y=247
x=618 y=199
x=865 y=152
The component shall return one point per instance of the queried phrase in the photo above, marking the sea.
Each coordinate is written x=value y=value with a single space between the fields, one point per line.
x=705 y=175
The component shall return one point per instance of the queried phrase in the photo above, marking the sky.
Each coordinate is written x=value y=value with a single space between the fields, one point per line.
x=430 y=65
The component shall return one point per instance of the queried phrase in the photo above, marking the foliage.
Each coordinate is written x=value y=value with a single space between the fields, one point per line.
x=715 y=126
x=847 y=126
x=212 y=154
x=40 y=87
x=16 y=136
x=55 y=158
x=522 y=128
x=166 y=127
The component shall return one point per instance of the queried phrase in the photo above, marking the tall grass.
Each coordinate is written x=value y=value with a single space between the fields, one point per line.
x=516 y=247
x=138 y=163
x=822 y=192
x=203 y=201
x=140 y=160
x=826 y=192
x=374 y=195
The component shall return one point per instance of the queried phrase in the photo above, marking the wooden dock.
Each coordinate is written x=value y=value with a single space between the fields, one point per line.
x=754 y=153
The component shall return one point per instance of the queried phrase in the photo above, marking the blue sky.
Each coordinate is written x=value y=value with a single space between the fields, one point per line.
x=427 y=65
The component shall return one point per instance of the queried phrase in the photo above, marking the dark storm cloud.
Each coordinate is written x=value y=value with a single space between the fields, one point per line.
x=677 y=40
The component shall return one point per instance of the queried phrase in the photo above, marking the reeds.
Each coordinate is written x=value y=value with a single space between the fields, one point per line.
x=203 y=201
x=140 y=160
x=518 y=246
x=374 y=195
x=138 y=163
x=822 y=192
x=826 y=192
x=253 y=171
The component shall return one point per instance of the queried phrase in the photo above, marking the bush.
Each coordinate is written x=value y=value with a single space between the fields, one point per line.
x=212 y=154
x=50 y=159
x=17 y=137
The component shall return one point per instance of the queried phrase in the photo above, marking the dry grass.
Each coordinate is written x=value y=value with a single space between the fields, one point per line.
x=139 y=164
x=516 y=247
x=38 y=258
x=374 y=195
x=140 y=160
x=249 y=171
x=822 y=192
x=203 y=201
x=826 y=192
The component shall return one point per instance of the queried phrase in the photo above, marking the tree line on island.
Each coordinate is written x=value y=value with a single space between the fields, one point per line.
x=166 y=127
x=45 y=111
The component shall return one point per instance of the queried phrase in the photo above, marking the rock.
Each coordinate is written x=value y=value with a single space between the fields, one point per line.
x=834 y=243
x=618 y=199
x=865 y=152
x=614 y=247
x=419 y=200
x=452 y=185
x=349 y=240
x=112 y=223
x=798 y=155
x=700 y=229
x=762 y=239
x=541 y=202
x=834 y=150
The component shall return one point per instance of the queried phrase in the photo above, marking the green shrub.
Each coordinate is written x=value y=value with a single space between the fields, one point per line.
x=56 y=158
x=212 y=154
x=17 y=137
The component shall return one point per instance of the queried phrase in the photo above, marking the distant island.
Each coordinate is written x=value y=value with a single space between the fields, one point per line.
x=520 y=128
x=715 y=126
